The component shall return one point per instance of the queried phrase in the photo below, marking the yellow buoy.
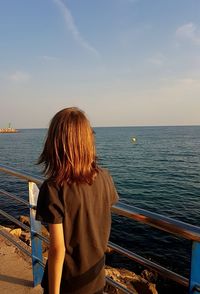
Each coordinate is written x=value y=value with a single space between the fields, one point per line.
x=133 y=140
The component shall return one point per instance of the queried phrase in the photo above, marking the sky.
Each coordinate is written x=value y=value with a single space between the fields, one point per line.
x=124 y=62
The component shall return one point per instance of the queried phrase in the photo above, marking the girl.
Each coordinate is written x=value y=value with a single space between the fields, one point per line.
x=75 y=200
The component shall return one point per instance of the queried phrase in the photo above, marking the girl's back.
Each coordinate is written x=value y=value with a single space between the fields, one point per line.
x=84 y=211
x=75 y=201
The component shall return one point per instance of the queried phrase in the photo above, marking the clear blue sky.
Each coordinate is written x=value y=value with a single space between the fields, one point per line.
x=125 y=62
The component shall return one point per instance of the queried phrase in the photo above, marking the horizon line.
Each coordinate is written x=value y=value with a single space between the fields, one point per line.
x=122 y=126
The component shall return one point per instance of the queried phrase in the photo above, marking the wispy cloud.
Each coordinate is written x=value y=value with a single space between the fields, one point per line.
x=158 y=59
x=190 y=32
x=19 y=77
x=189 y=82
x=133 y=1
x=69 y=20
x=49 y=58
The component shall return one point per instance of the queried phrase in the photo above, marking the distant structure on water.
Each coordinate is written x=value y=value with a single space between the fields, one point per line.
x=8 y=130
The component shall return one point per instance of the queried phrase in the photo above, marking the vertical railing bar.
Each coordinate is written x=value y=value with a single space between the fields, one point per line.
x=36 y=243
x=38 y=260
x=41 y=237
x=194 y=286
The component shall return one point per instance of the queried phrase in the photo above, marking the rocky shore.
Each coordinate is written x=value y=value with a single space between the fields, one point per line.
x=138 y=284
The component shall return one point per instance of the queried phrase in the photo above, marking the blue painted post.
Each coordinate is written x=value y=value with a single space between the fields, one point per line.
x=194 y=287
x=36 y=243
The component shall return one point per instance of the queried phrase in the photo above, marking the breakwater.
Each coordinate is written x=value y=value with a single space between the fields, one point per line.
x=8 y=130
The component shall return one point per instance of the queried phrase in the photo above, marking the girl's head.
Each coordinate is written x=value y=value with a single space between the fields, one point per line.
x=69 y=152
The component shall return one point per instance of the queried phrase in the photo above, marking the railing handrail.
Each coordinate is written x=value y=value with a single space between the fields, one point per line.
x=164 y=223
x=135 y=257
x=21 y=175
x=159 y=221
x=150 y=264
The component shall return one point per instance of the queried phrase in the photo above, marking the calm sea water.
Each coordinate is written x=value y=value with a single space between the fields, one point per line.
x=160 y=173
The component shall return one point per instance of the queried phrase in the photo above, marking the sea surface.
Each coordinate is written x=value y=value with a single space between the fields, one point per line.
x=159 y=172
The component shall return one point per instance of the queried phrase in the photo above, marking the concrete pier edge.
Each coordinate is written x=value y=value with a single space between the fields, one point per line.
x=15 y=267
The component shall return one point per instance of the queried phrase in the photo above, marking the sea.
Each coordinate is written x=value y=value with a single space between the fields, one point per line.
x=158 y=171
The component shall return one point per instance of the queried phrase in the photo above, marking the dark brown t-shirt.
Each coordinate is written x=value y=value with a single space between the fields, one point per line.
x=85 y=213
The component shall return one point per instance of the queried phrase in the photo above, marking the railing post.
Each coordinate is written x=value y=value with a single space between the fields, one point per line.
x=36 y=243
x=194 y=287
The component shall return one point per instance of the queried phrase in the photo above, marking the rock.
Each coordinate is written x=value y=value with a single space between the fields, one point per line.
x=16 y=232
x=45 y=246
x=5 y=228
x=109 y=250
x=26 y=238
x=149 y=276
x=45 y=254
x=25 y=220
x=130 y=281
x=44 y=231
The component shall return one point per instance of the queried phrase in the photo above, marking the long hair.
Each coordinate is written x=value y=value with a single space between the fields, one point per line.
x=69 y=152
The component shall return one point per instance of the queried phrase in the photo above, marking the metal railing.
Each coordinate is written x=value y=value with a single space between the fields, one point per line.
x=158 y=221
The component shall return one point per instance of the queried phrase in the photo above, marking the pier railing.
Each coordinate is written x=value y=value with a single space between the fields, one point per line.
x=158 y=221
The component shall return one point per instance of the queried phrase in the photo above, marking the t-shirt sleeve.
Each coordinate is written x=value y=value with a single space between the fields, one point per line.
x=49 y=205
x=113 y=192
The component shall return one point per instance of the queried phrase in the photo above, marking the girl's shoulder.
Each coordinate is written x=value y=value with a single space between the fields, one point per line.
x=108 y=182
x=48 y=183
x=105 y=176
x=104 y=171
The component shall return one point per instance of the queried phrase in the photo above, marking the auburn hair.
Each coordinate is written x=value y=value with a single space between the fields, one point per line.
x=69 y=152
